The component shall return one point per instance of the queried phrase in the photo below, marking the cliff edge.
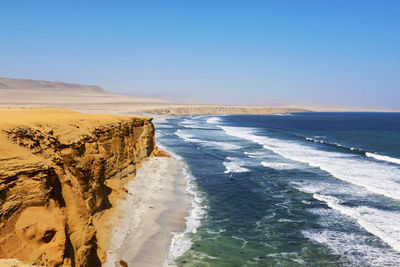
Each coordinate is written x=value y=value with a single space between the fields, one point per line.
x=57 y=172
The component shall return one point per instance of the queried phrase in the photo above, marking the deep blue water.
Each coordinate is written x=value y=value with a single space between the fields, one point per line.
x=306 y=189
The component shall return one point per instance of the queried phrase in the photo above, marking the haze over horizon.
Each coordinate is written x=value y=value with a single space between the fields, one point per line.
x=226 y=52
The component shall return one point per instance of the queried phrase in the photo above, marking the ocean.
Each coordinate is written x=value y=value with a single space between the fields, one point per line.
x=304 y=189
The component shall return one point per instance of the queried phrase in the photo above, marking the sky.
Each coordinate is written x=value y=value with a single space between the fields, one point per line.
x=339 y=52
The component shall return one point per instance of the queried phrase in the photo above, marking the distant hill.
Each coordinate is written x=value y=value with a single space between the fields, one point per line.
x=47 y=86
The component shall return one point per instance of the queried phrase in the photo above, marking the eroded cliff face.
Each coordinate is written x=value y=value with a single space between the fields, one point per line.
x=57 y=171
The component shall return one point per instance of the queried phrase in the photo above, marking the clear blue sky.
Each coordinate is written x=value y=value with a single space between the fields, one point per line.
x=344 y=52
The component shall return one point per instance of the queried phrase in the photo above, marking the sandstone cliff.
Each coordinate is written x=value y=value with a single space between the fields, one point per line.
x=57 y=171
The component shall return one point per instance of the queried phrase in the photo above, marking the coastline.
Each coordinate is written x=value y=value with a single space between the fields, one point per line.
x=147 y=210
x=149 y=215
x=58 y=169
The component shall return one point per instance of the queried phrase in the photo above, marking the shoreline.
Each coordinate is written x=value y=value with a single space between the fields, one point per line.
x=155 y=207
x=60 y=172
x=146 y=212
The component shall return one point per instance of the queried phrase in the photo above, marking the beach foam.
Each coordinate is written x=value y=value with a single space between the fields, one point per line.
x=335 y=145
x=368 y=154
x=190 y=138
x=333 y=188
x=187 y=137
x=347 y=167
x=254 y=154
x=382 y=224
x=383 y=158
x=278 y=165
x=181 y=242
x=281 y=114
x=234 y=165
x=213 y=120
x=354 y=247
x=192 y=124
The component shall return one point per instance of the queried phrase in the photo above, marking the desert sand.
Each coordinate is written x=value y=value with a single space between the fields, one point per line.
x=27 y=94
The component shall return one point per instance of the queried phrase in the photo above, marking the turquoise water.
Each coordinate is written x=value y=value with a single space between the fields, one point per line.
x=308 y=189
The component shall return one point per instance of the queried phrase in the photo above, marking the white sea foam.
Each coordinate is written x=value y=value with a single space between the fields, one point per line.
x=359 y=248
x=254 y=154
x=383 y=224
x=331 y=188
x=195 y=126
x=188 y=123
x=368 y=154
x=224 y=145
x=383 y=158
x=251 y=155
x=278 y=165
x=187 y=137
x=181 y=242
x=234 y=165
x=355 y=247
x=321 y=141
x=281 y=114
x=373 y=176
x=333 y=144
x=213 y=120
x=190 y=138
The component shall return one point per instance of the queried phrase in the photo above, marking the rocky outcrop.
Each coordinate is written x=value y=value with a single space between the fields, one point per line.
x=57 y=171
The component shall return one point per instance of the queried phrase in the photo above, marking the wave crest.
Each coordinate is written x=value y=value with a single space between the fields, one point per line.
x=234 y=165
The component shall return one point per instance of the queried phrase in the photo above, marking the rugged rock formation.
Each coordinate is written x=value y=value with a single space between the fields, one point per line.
x=57 y=170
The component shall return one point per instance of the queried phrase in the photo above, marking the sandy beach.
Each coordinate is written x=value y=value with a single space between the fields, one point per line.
x=153 y=209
